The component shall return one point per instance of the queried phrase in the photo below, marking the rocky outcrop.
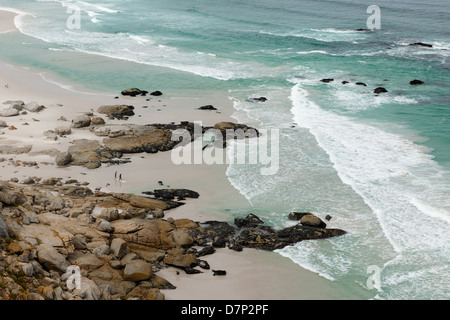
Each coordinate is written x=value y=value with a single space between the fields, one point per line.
x=253 y=233
x=57 y=227
x=169 y=194
x=119 y=112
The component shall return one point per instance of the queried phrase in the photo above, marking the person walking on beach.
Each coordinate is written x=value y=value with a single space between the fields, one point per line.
x=120 y=177
x=115 y=175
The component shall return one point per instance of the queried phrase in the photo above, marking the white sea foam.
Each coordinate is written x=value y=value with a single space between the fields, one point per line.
x=391 y=173
x=325 y=35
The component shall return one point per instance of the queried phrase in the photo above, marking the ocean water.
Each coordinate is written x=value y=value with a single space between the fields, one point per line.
x=378 y=164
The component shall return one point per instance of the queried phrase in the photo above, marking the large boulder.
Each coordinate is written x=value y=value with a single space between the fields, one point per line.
x=416 y=82
x=137 y=270
x=11 y=196
x=33 y=107
x=379 y=90
x=116 y=111
x=132 y=92
x=81 y=121
x=63 y=159
x=51 y=259
x=312 y=221
x=11 y=112
x=178 y=258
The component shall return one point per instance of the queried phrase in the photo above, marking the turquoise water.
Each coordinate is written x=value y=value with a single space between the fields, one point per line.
x=378 y=164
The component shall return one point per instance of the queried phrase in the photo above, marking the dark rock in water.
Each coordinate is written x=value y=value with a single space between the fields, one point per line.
x=252 y=233
x=144 y=93
x=260 y=99
x=421 y=44
x=250 y=220
x=311 y=220
x=327 y=80
x=416 y=82
x=299 y=233
x=344 y=82
x=133 y=92
x=207 y=107
x=361 y=84
x=297 y=215
x=328 y=217
x=172 y=193
x=380 y=90
x=362 y=30
x=156 y=93
x=219 y=272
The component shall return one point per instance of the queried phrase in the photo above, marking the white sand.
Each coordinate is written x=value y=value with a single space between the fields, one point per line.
x=7 y=21
x=250 y=274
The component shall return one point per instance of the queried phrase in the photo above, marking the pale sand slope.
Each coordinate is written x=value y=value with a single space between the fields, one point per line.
x=250 y=274
x=7 y=21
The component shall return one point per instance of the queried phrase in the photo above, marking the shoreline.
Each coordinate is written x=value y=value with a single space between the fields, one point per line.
x=27 y=85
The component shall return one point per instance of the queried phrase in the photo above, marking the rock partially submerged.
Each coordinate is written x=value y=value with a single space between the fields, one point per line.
x=379 y=90
x=253 y=233
x=133 y=92
x=421 y=44
x=416 y=82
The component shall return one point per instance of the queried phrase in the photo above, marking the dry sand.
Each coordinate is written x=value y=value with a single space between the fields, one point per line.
x=251 y=274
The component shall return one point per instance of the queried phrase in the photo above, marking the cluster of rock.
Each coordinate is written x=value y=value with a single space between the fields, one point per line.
x=377 y=90
x=133 y=92
x=117 y=242
x=120 y=139
x=14 y=108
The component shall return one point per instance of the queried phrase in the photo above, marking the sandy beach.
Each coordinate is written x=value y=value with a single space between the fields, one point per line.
x=251 y=274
